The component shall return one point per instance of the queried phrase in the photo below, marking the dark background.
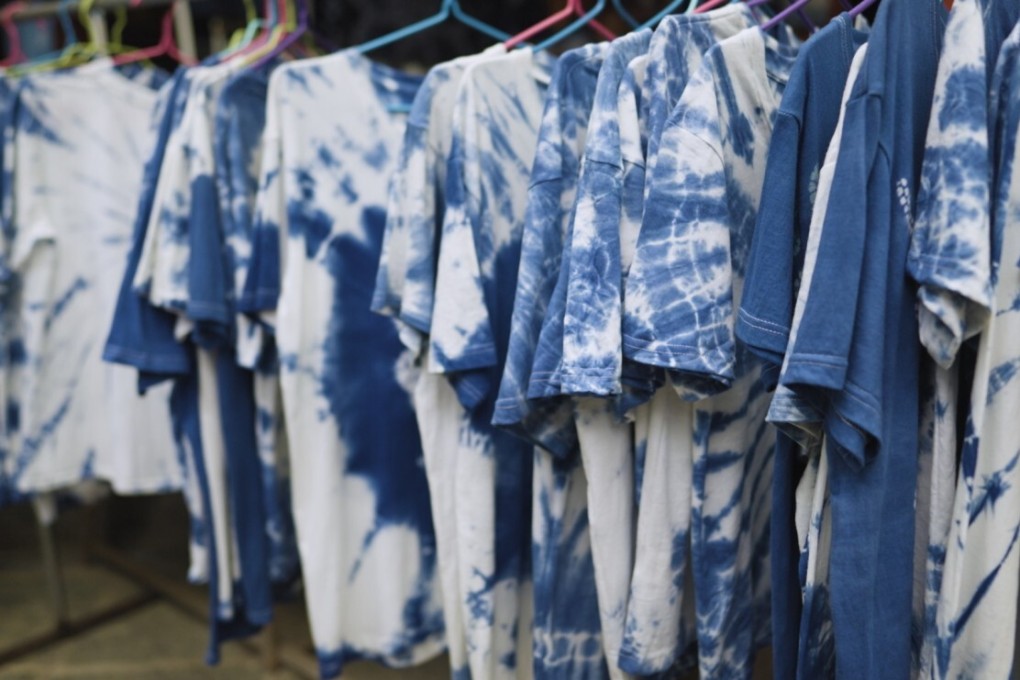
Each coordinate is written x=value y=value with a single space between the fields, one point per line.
x=350 y=22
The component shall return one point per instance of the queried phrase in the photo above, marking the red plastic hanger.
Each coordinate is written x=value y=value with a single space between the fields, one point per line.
x=166 y=47
x=574 y=8
x=15 y=55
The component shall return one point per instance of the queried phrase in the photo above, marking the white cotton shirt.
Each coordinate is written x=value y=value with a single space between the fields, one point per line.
x=78 y=153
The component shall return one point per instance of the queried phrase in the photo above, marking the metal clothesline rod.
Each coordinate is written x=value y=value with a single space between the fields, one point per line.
x=42 y=10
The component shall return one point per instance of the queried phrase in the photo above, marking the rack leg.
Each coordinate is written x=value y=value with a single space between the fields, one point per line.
x=44 y=506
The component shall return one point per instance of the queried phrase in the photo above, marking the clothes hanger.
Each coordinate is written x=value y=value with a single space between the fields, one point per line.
x=858 y=9
x=625 y=15
x=574 y=8
x=796 y=7
x=671 y=8
x=449 y=8
x=16 y=55
x=244 y=36
x=295 y=30
x=166 y=47
x=66 y=27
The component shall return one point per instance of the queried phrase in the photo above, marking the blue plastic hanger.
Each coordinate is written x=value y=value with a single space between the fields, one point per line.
x=671 y=8
x=449 y=8
x=574 y=27
x=624 y=14
x=67 y=27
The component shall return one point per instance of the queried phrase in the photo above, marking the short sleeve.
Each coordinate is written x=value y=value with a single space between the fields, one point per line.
x=207 y=296
x=462 y=342
x=679 y=299
x=820 y=355
x=162 y=273
x=950 y=247
x=142 y=336
x=262 y=285
x=766 y=311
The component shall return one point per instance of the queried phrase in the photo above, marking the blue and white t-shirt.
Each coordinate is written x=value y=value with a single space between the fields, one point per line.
x=495 y=130
x=804 y=127
x=567 y=635
x=404 y=288
x=360 y=498
x=856 y=354
x=681 y=299
x=978 y=601
x=76 y=173
x=950 y=258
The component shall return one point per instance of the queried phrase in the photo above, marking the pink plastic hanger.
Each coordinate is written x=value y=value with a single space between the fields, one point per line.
x=574 y=8
x=16 y=54
x=710 y=5
x=167 y=45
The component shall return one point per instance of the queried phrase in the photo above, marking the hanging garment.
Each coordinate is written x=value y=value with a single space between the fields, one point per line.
x=370 y=577
x=183 y=220
x=859 y=347
x=711 y=164
x=804 y=126
x=239 y=127
x=495 y=129
x=566 y=631
x=976 y=617
x=142 y=336
x=794 y=415
x=77 y=159
x=405 y=285
x=951 y=261
x=10 y=349
x=551 y=208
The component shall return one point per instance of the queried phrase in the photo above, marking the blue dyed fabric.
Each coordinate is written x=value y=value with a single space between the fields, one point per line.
x=804 y=125
x=590 y=360
x=566 y=635
x=9 y=342
x=239 y=127
x=974 y=623
x=70 y=417
x=495 y=129
x=584 y=87
x=404 y=288
x=405 y=282
x=681 y=299
x=857 y=351
x=553 y=187
x=142 y=336
x=951 y=260
x=181 y=270
x=360 y=498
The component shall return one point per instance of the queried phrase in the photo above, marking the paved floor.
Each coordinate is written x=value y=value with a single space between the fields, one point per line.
x=156 y=641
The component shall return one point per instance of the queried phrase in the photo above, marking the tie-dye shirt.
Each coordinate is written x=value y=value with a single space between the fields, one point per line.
x=360 y=499
x=950 y=258
x=77 y=156
x=404 y=287
x=184 y=219
x=566 y=133
x=495 y=130
x=856 y=353
x=405 y=282
x=239 y=127
x=9 y=343
x=681 y=297
x=804 y=126
x=567 y=636
x=978 y=601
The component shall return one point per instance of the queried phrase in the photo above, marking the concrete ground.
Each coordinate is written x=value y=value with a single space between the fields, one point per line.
x=153 y=641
